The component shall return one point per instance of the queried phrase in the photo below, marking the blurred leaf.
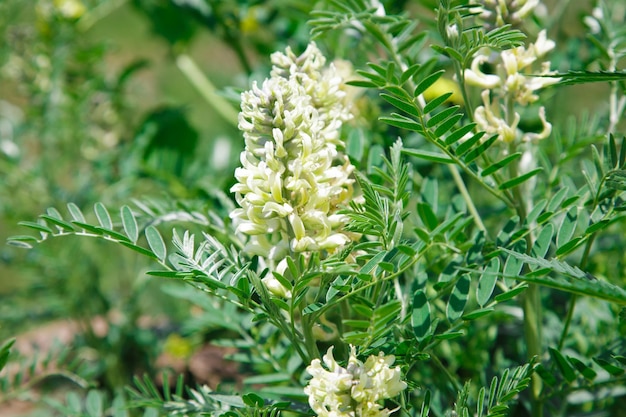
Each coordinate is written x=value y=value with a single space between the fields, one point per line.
x=427 y=215
x=566 y=369
x=168 y=20
x=585 y=370
x=167 y=140
x=5 y=350
x=476 y=314
x=36 y=226
x=60 y=223
x=76 y=213
x=93 y=404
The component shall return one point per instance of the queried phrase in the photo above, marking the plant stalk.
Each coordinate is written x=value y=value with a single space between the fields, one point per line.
x=205 y=87
x=458 y=180
x=531 y=301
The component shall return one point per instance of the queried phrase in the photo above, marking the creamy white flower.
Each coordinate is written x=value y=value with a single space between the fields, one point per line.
x=475 y=76
x=514 y=82
x=488 y=119
x=354 y=391
x=71 y=9
x=542 y=45
x=452 y=31
x=293 y=177
x=545 y=131
x=275 y=287
x=526 y=8
x=501 y=12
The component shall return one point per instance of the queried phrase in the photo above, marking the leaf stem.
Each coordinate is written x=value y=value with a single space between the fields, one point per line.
x=531 y=300
x=574 y=299
x=454 y=381
x=205 y=87
x=458 y=180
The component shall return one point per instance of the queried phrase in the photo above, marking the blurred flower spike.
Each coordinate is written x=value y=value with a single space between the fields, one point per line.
x=354 y=391
x=501 y=12
x=293 y=177
x=512 y=84
x=70 y=9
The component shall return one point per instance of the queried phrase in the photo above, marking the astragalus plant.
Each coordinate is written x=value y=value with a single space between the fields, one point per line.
x=417 y=226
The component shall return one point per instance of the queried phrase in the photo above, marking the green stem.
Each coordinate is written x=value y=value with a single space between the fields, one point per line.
x=568 y=320
x=205 y=87
x=531 y=301
x=466 y=99
x=309 y=339
x=458 y=180
x=572 y=302
x=98 y=13
x=445 y=370
x=531 y=305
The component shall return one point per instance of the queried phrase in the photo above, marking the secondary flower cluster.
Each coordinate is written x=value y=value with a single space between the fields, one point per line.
x=511 y=84
x=501 y=12
x=293 y=177
x=354 y=391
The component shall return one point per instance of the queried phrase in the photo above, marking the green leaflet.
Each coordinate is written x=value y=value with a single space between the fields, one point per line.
x=504 y=162
x=570 y=279
x=104 y=218
x=487 y=282
x=156 y=243
x=5 y=349
x=427 y=82
x=129 y=223
x=458 y=298
x=428 y=155
x=514 y=182
x=76 y=213
x=420 y=317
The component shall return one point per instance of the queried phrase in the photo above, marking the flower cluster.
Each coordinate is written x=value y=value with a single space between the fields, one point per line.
x=354 y=391
x=501 y=12
x=65 y=9
x=510 y=85
x=293 y=177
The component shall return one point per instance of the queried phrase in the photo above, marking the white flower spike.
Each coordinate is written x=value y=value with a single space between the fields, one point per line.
x=354 y=391
x=293 y=177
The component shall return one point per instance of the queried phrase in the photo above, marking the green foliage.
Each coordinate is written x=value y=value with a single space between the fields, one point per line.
x=200 y=401
x=468 y=254
x=471 y=38
x=5 y=351
x=60 y=363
